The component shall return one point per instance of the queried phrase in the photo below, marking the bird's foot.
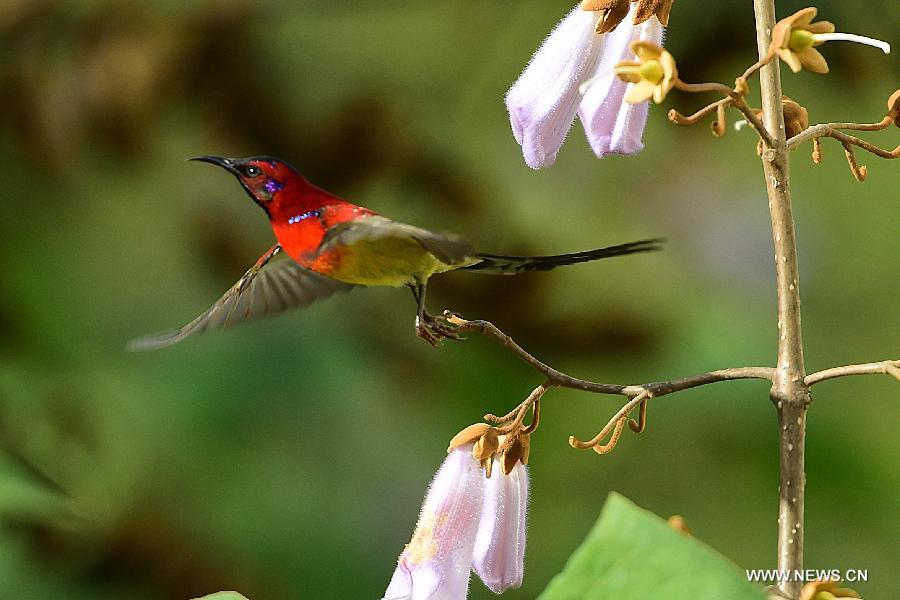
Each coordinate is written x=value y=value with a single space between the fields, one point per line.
x=433 y=329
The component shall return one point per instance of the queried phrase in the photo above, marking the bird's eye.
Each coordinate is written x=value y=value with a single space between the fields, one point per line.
x=252 y=171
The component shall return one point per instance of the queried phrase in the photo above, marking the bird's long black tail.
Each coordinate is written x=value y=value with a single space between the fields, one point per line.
x=492 y=264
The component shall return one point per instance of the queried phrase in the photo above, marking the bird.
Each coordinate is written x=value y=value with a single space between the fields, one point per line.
x=327 y=245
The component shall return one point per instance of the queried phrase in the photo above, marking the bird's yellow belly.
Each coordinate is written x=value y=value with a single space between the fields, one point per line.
x=392 y=261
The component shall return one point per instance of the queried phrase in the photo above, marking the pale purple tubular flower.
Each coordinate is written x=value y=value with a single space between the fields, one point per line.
x=499 y=556
x=543 y=101
x=469 y=522
x=613 y=126
x=436 y=563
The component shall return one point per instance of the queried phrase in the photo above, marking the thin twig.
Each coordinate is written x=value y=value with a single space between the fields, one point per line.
x=555 y=377
x=520 y=411
x=859 y=172
x=886 y=367
x=816 y=132
x=616 y=424
x=608 y=446
x=701 y=88
x=680 y=119
x=641 y=424
x=492 y=418
x=734 y=97
x=755 y=121
x=661 y=388
x=638 y=394
x=828 y=130
x=886 y=122
x=754 y=68
x=849 y=139
x=821 y=129
x=535 y=417
x=559 y=379
x=720 y=125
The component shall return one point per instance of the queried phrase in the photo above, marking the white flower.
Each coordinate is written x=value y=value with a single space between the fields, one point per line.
x=612 y=125
x=575 y=60
x=543 y=102
x=435 y=565
x=499 y=557
x=466 y=518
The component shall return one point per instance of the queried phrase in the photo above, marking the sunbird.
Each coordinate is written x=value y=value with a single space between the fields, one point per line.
x=328 y=245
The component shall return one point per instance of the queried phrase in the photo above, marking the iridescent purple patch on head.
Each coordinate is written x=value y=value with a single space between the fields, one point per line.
x=273 y=186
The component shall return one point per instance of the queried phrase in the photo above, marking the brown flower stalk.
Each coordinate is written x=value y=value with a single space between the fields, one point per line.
x=833 y=130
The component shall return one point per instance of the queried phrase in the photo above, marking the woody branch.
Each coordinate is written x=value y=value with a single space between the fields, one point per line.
x=637 y=394
x=789 y=392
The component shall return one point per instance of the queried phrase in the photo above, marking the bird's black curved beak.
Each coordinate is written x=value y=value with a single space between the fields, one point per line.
x=225 y=163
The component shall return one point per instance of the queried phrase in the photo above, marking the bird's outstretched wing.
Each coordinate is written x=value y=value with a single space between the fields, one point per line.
x=273 y=285
x=446 y=247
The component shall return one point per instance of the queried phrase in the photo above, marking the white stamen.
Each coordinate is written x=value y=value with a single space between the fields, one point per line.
x=852 y=37
x=738 y=125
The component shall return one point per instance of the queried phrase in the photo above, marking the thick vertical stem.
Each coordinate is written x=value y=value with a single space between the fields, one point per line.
x=789 y=392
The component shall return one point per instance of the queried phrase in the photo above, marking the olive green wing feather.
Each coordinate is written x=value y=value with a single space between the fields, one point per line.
x=273 y=285
x=448 y=248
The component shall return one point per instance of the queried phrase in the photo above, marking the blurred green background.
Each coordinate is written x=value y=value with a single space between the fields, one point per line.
x=288 y=458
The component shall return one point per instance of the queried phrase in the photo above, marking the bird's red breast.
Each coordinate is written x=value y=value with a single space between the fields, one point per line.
x=301 y=231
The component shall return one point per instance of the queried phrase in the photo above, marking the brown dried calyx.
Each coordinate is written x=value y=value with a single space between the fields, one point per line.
x=490 y=443
x=796 y=117
x=649 y=8
x=614 y=12
x=617 y=10
x=893 y=104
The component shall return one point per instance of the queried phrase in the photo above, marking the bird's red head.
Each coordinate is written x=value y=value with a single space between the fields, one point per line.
x=272 y=183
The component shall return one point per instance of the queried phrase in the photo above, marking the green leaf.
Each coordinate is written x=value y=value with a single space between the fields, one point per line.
x=633 y=554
